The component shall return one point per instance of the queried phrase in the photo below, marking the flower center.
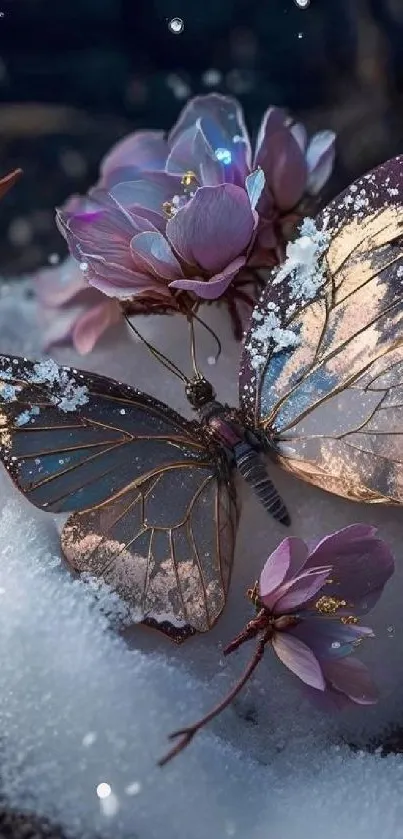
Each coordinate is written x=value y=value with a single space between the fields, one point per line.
x=189 y=183
x=329 y=605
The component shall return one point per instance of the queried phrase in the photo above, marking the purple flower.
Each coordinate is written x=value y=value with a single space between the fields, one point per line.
x=313 y=599
x=71 y=311
x=309 y=601
x=210 y=138
x=190 y=212
x=165 y=233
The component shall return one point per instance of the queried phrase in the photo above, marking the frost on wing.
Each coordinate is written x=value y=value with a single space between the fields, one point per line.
x=299 y=280
x=67 y=394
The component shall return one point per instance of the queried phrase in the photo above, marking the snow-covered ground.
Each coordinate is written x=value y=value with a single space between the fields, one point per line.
x=81 y=705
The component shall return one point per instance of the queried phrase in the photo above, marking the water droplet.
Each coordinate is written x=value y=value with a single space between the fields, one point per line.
x=211 y=360
x=103 y=790
x=239 y=82
x=89 y=739
x=122 y=411
x=133 y=789
x=179 y=87
x=176 y=25
x=20 y=232
x=336 y=645
x=211 y=78
x=83 y=266
x=54 y=259
x=73 y=163
x=300 y=34
x=302 y=4
x=223 y=156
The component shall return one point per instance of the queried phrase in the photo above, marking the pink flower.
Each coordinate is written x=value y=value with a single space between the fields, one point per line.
x=210 y=138
x=190 y=212
x=313 y=599
x=71 y=311
x=309 y=601
x=162 y=234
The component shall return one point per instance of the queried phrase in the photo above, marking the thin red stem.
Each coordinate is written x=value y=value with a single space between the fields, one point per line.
x=186 y=734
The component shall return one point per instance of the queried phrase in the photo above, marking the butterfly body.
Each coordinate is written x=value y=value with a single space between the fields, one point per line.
x=239 y=447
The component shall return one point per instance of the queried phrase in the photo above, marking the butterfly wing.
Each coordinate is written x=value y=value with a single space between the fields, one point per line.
x=153 y=513
x=322 y=368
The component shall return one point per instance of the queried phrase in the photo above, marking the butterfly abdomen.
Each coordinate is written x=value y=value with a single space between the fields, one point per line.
x=253 y=471
x=230 y=434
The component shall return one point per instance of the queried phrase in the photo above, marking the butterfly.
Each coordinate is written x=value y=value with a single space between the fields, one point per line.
x=151 y=495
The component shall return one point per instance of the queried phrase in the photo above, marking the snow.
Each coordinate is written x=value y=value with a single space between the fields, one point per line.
x=68 y=394
x=81 y=705
x=304 y=267
x=304 y=273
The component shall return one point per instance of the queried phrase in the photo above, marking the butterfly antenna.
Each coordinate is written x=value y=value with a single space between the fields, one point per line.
x=212 y=333
x=166 y=362
x=193 y=348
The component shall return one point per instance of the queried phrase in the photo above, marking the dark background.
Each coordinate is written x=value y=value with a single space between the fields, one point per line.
x=77 y=74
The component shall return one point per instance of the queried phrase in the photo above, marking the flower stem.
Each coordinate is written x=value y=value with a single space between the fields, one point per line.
x=186 y=734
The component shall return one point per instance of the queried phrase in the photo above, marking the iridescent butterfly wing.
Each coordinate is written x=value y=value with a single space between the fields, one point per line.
x=153 y=514
x=322 y=369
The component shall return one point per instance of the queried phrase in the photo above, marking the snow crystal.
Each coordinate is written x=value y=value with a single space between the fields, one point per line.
x=45 y=371
x=27 y=416
x=270 y=335
x=9 y=393
x=67 y=395
x=303 y=267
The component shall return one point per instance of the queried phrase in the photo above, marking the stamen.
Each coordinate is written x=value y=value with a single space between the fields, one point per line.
x=329 y=605
x=189 y=179
x=349 y=619
x=253 y=594
x=168 y=209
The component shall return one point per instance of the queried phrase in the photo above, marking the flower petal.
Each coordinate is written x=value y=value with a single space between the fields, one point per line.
x=291 y=552
x=57 y=327
x=150 y=192
x=145 y=149
x=300 y=590
x=320 y=160
x=352 y=677
x=104 y=235
x=300 y=133
x=337 y=539
x=214 y=228
x=181 y=155
x=151 y=252
x=216 y=286
x=226 y=116
x=93 y=323
x=329 y=638
x=281 y=158
x=254 y=186
x=56 y=286
x=361 y=565
x=299 y=659
x=192 y=151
